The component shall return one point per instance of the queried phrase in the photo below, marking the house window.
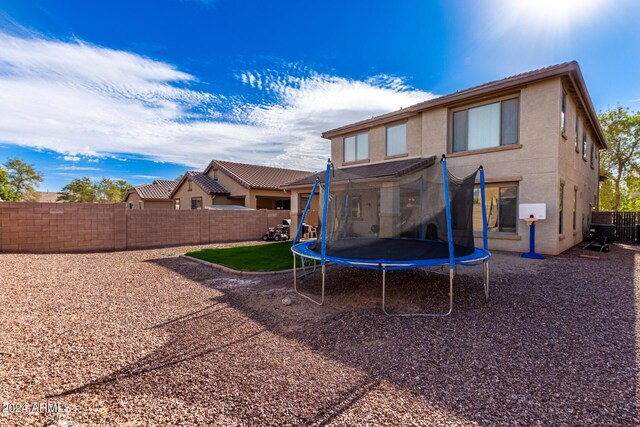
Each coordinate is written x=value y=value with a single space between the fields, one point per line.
x=196 y=203
x=355 y=207
x=501 y=203
x=140 y=204
x=356 y=147
x=593 y=152
x=575 y=207
x=561 y=210
x=397 y=139
x=584 y=144
x=486 y=126
x=176 y=204
x=563 y=114
x=131 y=205
x=283 y=205
x=189 y=185
x=577 y=140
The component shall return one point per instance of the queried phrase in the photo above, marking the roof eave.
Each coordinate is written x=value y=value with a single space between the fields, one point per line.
x=571 y=68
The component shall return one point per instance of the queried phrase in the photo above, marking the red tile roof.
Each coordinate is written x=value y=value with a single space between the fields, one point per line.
x=159 y=190
x=254 y=176
x=207 y=183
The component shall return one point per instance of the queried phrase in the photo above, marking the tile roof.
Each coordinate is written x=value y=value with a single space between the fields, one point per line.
x=159 y=190
x=207 y=183
x=391 y=169
x=572 y=69
x=254 y=176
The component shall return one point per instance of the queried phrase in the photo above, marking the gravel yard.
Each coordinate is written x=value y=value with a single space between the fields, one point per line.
x=146 y=338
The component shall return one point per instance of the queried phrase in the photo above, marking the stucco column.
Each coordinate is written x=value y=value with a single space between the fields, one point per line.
x=296 y=212
x=389 y=209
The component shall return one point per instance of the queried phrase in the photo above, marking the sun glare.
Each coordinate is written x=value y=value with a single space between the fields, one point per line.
x=556 y=11
x=544 y=16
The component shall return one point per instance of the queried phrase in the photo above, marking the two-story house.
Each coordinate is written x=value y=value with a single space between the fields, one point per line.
x=536 y=134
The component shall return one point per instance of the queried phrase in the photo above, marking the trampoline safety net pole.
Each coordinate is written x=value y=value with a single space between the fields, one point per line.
x=485 y=244
x=447 y=205
x=306 y=209
x=327 y=181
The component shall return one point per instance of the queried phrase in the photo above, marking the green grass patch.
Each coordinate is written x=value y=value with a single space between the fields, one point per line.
x=269 y=257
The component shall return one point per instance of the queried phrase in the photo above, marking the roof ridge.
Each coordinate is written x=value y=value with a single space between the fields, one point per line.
x=259 y=166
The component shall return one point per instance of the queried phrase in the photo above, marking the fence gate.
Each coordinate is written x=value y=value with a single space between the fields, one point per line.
x=625 y=223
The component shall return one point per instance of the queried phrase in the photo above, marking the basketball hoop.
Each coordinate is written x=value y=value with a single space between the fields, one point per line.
x=530 y=213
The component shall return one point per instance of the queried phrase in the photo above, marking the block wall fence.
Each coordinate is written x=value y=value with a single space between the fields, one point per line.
x=89 y=227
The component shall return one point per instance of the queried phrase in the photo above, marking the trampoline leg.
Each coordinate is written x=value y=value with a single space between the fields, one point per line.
x=295 y=285
x=384 y=292
x=485 y=280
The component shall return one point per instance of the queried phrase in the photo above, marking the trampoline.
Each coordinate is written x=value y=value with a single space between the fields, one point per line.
x=400 y=221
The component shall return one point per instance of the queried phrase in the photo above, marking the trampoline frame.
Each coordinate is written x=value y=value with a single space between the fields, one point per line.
x=479 y=256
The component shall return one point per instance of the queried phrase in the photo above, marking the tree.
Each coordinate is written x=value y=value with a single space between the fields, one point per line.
x=622 y=160
x=4 y=186
x=23 y=180
x=79 y=190
x=104 y=191
x=111 y=191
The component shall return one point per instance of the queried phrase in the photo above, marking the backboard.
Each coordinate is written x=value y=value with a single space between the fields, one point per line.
x=538 y=210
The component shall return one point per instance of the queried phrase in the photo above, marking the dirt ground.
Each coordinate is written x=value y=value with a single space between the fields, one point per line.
x=147 y=338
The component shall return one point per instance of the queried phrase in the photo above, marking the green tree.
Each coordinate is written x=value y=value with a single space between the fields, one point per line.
x=104 y=191
x=622 y=159
x=111 y=191
x=23 y=180
x=79 y=190
x=4 y=185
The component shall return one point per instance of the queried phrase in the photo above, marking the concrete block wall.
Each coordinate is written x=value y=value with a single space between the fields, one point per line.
x=87 y=227
x=61 y=227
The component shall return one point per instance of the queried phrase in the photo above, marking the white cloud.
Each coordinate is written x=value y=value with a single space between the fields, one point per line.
x=147 y=176
x=87 y=102
x=76 y=168
x=71 y=158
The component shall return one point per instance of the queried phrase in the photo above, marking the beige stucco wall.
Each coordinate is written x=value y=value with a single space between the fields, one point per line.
x=185 y=195
x=575 y=172
x=157 y=204
x=537 y=164
x=377 y=142
x=133 y=198
x=147 y=204
x=250 y=195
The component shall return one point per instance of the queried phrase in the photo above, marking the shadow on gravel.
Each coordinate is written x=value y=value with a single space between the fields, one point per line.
x=552 y=348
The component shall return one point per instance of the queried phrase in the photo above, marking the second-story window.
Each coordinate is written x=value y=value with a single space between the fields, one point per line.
x=563 y=114
x=584 y=144
x=356 y=147
x=397 y=139
x=593 y=152
x=486 y=126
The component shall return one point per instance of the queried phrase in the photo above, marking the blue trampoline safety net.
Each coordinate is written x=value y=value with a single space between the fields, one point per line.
x=400 y=219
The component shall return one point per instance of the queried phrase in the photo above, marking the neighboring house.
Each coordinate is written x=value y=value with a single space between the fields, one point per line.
x=49 y=197
x=196 y=190
x=230 y=183
x=151 y=196
x=536 y=134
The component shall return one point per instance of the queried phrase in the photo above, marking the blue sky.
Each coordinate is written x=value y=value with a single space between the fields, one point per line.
x=145 y=90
